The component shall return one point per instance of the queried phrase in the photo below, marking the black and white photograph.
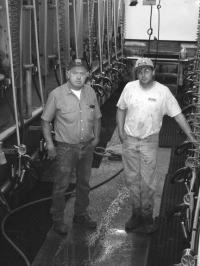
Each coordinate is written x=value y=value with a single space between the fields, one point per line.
x=99 y=132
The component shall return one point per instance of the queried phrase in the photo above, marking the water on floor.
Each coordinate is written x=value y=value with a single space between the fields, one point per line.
x=109 y=244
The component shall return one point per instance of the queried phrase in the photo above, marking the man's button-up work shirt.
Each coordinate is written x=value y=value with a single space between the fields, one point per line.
x=73 y=118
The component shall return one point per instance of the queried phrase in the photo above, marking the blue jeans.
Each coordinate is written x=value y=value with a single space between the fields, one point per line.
x=70 y=157
x=140 y=168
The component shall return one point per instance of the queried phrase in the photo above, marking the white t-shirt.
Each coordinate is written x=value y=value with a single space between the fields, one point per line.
x=146 y=108
x=77 y=93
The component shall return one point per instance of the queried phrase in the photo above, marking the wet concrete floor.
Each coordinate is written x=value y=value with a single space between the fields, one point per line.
x=109 y=244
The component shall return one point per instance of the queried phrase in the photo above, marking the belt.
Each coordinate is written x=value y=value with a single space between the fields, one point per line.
x=82 y=143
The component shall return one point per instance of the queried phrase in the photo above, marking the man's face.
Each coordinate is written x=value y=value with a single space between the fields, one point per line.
x=77 y=76
x=145 y=74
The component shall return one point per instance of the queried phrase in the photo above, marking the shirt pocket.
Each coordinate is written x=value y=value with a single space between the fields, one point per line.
x=90 y=112
x=68 y=113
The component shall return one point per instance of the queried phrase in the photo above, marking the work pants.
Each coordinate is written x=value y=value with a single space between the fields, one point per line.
x=140 y=168
x=70 y=157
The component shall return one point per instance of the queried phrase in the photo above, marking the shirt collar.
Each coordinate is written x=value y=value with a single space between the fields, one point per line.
x=69 y=88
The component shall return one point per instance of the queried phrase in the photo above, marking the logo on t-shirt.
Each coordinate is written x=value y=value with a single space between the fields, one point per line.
x=152 y=99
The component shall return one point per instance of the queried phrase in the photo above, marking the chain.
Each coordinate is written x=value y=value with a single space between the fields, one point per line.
x=158 y=37
x=150 y=29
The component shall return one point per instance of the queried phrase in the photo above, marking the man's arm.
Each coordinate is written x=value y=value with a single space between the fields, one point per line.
x=120 y=118
x=180 y=119
x=46 y=129
x=97 y=130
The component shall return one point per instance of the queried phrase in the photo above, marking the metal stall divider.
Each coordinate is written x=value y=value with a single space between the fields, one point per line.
x=190 y=207
x=23 y=162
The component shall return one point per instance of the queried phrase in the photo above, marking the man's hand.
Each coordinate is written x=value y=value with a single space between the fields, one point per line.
x=94 y=142
x=120 y=118
x=51 y=152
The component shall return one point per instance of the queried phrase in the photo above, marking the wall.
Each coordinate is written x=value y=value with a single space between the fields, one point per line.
x=178 y=20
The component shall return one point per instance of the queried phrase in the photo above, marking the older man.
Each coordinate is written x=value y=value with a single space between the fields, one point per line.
x=77 y=121
x=141 y=108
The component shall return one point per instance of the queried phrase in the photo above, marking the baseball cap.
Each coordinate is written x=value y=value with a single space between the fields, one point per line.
x=144 y=62
x=78 y=62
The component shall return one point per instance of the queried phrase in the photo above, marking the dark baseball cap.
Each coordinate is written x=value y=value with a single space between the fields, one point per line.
x=78 y=63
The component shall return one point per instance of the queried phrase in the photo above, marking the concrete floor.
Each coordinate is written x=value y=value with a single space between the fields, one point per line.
x=109 y=244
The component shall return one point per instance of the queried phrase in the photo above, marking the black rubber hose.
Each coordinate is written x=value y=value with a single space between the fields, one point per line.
x=72 y=194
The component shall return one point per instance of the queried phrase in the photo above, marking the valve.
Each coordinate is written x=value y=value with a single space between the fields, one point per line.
x=21 y=149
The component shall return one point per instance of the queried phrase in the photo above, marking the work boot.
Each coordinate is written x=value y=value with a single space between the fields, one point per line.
x=133 y=222
x=85 y=220
x=60 y=228
x=150 y=225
